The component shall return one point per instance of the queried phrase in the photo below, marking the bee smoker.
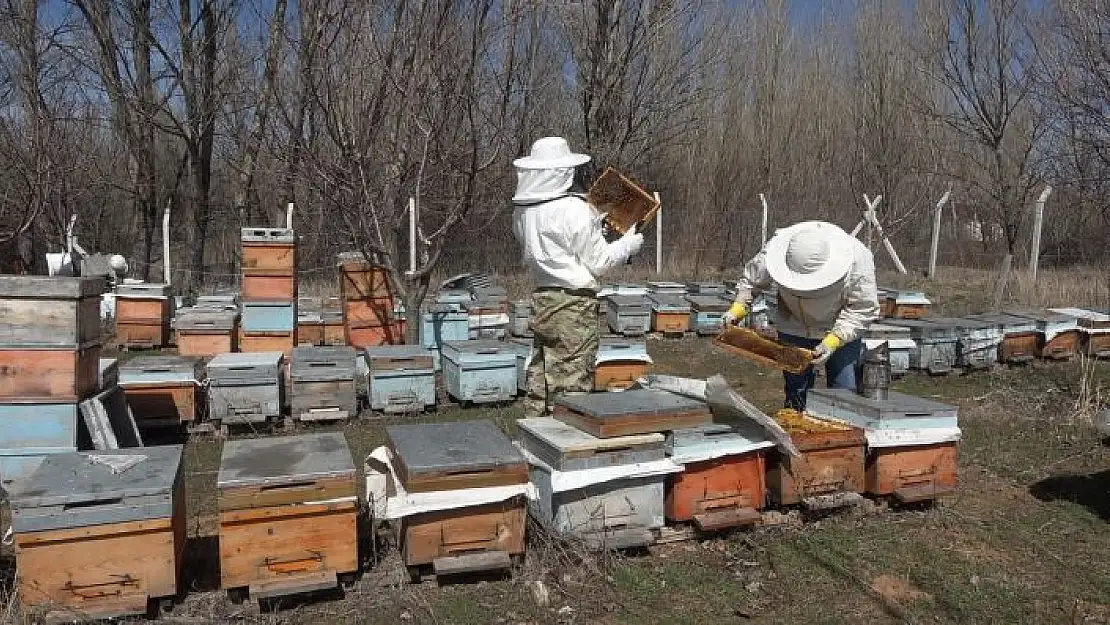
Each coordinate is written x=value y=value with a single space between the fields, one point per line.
x=874 y=375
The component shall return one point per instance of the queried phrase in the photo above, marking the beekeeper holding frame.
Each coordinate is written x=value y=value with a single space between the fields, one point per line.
x=826 y=299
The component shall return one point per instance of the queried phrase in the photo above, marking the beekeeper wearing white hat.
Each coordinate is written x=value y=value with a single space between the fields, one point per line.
x=826 y=299
x=564 y=248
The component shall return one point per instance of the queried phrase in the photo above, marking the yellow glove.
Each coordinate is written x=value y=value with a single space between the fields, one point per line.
x=825 y=349
x=735 y=314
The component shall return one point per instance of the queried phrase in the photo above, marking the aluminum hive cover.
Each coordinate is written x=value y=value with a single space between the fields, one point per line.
x=897 y=405
x=433 y=447
x=72 y=478
x=633 y=401
x=284 y=459
x=159 y=363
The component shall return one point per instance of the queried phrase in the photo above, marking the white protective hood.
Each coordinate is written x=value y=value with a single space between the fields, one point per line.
x=540 y=185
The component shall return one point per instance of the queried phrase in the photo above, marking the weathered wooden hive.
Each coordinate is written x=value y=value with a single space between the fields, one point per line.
x=1059 y=334
x=323 y=384
x=288 y=514
x=607 y=513
x=433 y=457
x=245 y=388
x=897 y=304
x=441 y=323
x=207 y=331
x=629 y=315
x=723 y=483
x=1019 y=337
x=670 y=314
x=1094 y=328
x=937 y=345
x=143 y=314
x=977 y=341
x=401 y=378
x=479 y=371
x=269 y=290
x=619 y=363
x=635 y=411
x=831 y=465
x=911 y=441
x=101 y=534
x=164 y=390
x=707 y=312
x=369 y=307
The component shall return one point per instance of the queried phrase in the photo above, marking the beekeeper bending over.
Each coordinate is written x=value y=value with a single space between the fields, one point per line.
x=826 y=299
x=564 y=249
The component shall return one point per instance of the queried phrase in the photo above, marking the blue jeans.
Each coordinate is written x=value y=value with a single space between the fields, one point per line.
x=840 y=370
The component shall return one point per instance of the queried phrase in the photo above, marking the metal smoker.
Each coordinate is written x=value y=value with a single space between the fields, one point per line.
x=874 y=376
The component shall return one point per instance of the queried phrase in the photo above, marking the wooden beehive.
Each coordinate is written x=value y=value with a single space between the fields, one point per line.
x=269 y=252
x=164 y=390
x=205 y=333
x=482 y=371
x=628 y=315
x=670 y=314
x=288 y=514
x=92 y=542
x=635 y=411
x=323 y=383
x=48 y=374
x=310 y=328
x=363 y=337
x=335 y=332
x=616 y=513
x=143 y=314
x=37 y=311
x=368 y=312
x=624 y=203
x=832 y=462
x=619 y=363
x=912 y=473
x=269 y=289
x=759 y=349
x=401 y=378
x=245 y=388
x=707 y=313
x=448 y=456
x=724 y=481
x=1059 y=335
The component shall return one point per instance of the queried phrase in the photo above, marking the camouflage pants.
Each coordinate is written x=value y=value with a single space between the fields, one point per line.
x=565 y=346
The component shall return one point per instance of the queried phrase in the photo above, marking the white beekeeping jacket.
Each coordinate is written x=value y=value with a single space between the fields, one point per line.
x=846 y=308
x=561 y=234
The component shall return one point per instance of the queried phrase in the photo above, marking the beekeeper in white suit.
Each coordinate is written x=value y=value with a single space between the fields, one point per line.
x=565 y=251
x=826 y=299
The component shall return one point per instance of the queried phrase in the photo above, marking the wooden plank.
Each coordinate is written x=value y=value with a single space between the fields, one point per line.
x=273 y=543
x=491 y=527
x=374 y=336
x=761 y=350
x=310 y=333
x=472 y=563
x=294 y=584
x=37 y=375
x=724 y=519
x=52 y=287
x=505 y=475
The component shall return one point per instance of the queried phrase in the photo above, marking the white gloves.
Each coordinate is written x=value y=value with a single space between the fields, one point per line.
x=630 y=243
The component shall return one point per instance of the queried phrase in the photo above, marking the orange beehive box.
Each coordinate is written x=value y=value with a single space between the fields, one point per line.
x=368 y=313
x=361 y=337
x=912 y=473
x=831 y=461
x=48 y=375
x=267 y=342
x=359 y=279
x=724 y=480
x=269 y=288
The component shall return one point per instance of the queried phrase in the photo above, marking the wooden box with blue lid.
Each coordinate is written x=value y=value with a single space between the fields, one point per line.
x=401 y=378
x=101 y=534
x=470 y=455
x=288 y=514
x=483 y=371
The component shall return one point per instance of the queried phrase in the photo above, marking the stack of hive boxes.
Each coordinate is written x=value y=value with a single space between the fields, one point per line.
x=269 y=294
x=369 y=308
x=50 y=343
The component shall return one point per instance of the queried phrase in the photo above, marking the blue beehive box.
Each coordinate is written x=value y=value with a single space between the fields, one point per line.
x=441 y=323
x=268 y=317
x=482 y=371
x=629 y=315
x=707 y=313
x=523 y=348
x=401 y=378
x=30 y=432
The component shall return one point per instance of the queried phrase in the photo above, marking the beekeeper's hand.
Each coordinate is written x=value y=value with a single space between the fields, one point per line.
x=825 y=349
x=632 y=241
x=735 y=314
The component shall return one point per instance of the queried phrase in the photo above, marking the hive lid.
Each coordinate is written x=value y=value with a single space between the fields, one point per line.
x=895 y=406
x=142 y=289
x=629 y=301
x=663 y=300
x=284 y=459
x=438 y=447
x=162 y=364
x=73 y=478
x=568 y=439
x=395 y=351
x=206 y=318
x=267 y=235
x=52 y=287
x=708 y=303
x=633 y=401
x=740 y=438
x=330 y=353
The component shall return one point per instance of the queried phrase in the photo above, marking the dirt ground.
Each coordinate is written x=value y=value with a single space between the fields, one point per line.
x=1025 y=540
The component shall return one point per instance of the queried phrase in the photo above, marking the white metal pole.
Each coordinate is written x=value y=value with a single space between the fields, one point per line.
x=1038 y=218
x=658 y=236
x=166 y=244
x=289 y=215
x=763 y=223
x=933 y=247
x=412 y=235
